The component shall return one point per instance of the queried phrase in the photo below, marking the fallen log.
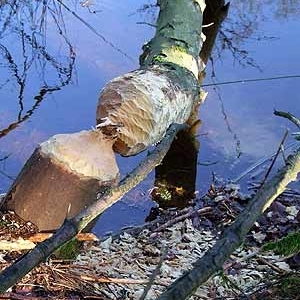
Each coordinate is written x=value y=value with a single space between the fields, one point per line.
x=234 y=235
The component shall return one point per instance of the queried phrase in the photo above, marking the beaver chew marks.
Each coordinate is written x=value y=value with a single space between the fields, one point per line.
x=140 y=106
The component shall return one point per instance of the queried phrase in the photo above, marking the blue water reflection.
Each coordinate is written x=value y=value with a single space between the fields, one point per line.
x=249 y=132
x=247 y=109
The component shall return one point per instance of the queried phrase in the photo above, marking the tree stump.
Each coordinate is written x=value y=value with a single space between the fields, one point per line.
x=62 y=177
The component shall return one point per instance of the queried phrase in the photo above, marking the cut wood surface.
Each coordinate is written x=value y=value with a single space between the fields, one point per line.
x=62 y=177
x=73 y=226
x=138 y=107
x=27 y=244
x=135 y=110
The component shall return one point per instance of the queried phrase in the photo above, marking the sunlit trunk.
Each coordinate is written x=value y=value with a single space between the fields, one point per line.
x=65 y=173
x=138 y=107
x=175 y=177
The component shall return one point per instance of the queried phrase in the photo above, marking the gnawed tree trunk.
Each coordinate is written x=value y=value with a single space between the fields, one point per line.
x=134 y=111
x=175 y=177
x=72 y=226
x=62 y=177
x=138 y=107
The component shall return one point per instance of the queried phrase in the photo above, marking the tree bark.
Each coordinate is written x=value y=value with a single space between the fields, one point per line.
x=138 y=107
x=62 y=177
x=134 y=111
x=175 y=177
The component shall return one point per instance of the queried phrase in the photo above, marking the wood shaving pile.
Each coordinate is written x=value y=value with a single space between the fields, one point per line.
x=120 y=266
x=136 y=258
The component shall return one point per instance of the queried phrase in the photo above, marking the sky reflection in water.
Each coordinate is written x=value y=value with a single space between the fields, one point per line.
x=249 y=132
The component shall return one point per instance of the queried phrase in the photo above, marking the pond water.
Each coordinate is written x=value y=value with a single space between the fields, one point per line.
x=55 y=59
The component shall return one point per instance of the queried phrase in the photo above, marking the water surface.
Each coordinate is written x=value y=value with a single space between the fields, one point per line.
x=56 y=59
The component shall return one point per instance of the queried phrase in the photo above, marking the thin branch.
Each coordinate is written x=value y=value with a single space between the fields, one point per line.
x=289 y=116
x=71 y=227
x=168 y=224
x=112 y=280
x=146 y=23
x=38 y=52
x=275 y=158
x=154 y=274
x=233 y=236
x=251 y=80
x=227 y=122
x=38 y=99
x=6 y=175
x=261 y=162
x=94 y=30
x=5 y=157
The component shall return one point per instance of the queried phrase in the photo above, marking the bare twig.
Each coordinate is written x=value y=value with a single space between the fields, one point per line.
x=71 y=227
x=183 y=217
x=288 y=115
x=154 y=274
x=260 y=162
x=275 y=158
x=34 y=52
x=146 y=23
x=272 y=266
x=105 y=279
x=233 y=236
x=94 y=30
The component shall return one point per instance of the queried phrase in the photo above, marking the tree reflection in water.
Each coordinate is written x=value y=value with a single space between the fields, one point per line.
x=26 y=57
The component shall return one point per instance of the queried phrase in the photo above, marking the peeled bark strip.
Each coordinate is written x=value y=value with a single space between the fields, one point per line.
x=138 y=107
x=62 y=177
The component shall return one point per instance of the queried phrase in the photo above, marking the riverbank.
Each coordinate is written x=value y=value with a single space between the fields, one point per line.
x=120 y=266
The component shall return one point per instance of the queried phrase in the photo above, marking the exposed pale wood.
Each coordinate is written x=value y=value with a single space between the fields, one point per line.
x=82 y=237
x=62 y=177
x=71 y=227
x=16 y=245
x=138 y=107
x=27 y=244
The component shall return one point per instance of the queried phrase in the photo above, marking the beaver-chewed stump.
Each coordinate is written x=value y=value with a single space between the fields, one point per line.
x=62 y=177
x=134 y=112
